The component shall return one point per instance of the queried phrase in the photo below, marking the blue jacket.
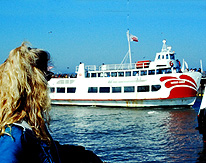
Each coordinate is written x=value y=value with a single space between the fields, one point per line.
x=20 y=145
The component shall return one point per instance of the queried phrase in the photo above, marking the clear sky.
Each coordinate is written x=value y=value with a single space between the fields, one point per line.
x=94 y=31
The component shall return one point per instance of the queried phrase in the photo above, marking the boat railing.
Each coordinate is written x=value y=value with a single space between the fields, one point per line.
x=91 y=67
x=88 y=68
x=125 y=66
x=107 y=67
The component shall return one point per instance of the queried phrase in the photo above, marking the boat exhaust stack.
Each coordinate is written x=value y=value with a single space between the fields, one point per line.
x=81 y=71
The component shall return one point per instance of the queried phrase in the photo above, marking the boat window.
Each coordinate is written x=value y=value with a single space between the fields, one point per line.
x=135 y=73
x=102 y=74
x=161 y=71
x=168 y=70
x=60 y=82
x=144 y=88
x=164 y=71
x=113 y=74
x=104 y=89
x=167 y=56
x=129 y=89
x=93 y=75
x=121 y=74
x=107 y=74
x=155 y=87
x=71 y=90
x=158 y=71
x=60 y=89
x=128 y=73
x=92 y=90
x=151 y=72
x=51 y=89
x=88 y=75
x=69 y=81
x=162 y=56
x=172 y=56
x=143 y=72
x=158 y=56
x=116 y=89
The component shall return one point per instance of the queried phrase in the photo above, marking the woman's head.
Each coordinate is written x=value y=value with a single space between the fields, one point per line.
x=23 y=89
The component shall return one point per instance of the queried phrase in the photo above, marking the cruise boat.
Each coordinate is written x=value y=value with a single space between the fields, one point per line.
x=158 y=83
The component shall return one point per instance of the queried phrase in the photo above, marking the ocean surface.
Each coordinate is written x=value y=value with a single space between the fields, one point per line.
x=130 y=135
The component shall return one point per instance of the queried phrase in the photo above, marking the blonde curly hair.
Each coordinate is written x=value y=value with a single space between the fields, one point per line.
x=23 y=90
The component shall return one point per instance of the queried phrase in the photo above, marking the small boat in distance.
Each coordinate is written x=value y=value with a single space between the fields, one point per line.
x=158 y=83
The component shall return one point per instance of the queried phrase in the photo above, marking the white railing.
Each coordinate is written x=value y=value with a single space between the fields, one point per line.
x=126 y=66
x=88 y=68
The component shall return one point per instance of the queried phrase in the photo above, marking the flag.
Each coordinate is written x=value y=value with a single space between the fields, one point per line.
x=133 y=38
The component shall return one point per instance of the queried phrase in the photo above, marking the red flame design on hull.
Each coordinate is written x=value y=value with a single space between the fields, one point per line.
x=181 y=87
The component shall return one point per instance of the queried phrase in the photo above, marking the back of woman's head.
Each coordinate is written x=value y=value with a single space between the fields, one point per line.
x=23 y=89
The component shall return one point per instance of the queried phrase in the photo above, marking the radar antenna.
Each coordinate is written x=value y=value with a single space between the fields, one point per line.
x=164 y=46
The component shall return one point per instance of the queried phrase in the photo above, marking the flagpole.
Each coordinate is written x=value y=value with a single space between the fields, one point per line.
x=201 y=66
x=129 y=51
x=183 y=65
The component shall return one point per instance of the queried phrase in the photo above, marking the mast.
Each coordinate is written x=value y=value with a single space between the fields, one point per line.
x=128 y=36
x=129 y=51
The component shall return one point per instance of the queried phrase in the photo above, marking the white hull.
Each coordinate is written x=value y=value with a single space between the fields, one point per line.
x=129 y=103
x=182 y=92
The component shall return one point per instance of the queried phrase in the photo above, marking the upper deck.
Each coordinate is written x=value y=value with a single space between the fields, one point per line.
x=108 y=67
x=163 y=59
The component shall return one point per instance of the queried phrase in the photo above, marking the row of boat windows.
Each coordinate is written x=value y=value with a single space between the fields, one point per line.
x=171 y=56
x=125 y=89
x=129 y=73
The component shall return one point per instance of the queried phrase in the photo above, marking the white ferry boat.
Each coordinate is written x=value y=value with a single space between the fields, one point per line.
x=162 y=82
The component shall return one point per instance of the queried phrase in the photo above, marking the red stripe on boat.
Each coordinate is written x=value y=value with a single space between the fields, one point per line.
x=181 y=92
x=166 y=78
x=172 y=83
x=188 y=78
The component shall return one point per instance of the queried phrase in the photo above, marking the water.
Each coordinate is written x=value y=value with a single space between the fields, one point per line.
x=123 y=135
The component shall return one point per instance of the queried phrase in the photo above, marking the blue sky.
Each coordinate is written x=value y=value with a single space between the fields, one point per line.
x=94 y=31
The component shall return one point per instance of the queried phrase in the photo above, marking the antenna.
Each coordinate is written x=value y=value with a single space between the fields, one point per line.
x=128 y=35
x=128 y=13
x=164 y=46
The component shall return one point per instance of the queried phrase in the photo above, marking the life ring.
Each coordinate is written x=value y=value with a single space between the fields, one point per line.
x=171 y=64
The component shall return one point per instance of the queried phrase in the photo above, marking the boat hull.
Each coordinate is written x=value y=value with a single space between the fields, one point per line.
x=189 y=101
x=174 y=90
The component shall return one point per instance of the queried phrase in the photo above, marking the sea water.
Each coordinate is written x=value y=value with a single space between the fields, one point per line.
x=130 y=135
